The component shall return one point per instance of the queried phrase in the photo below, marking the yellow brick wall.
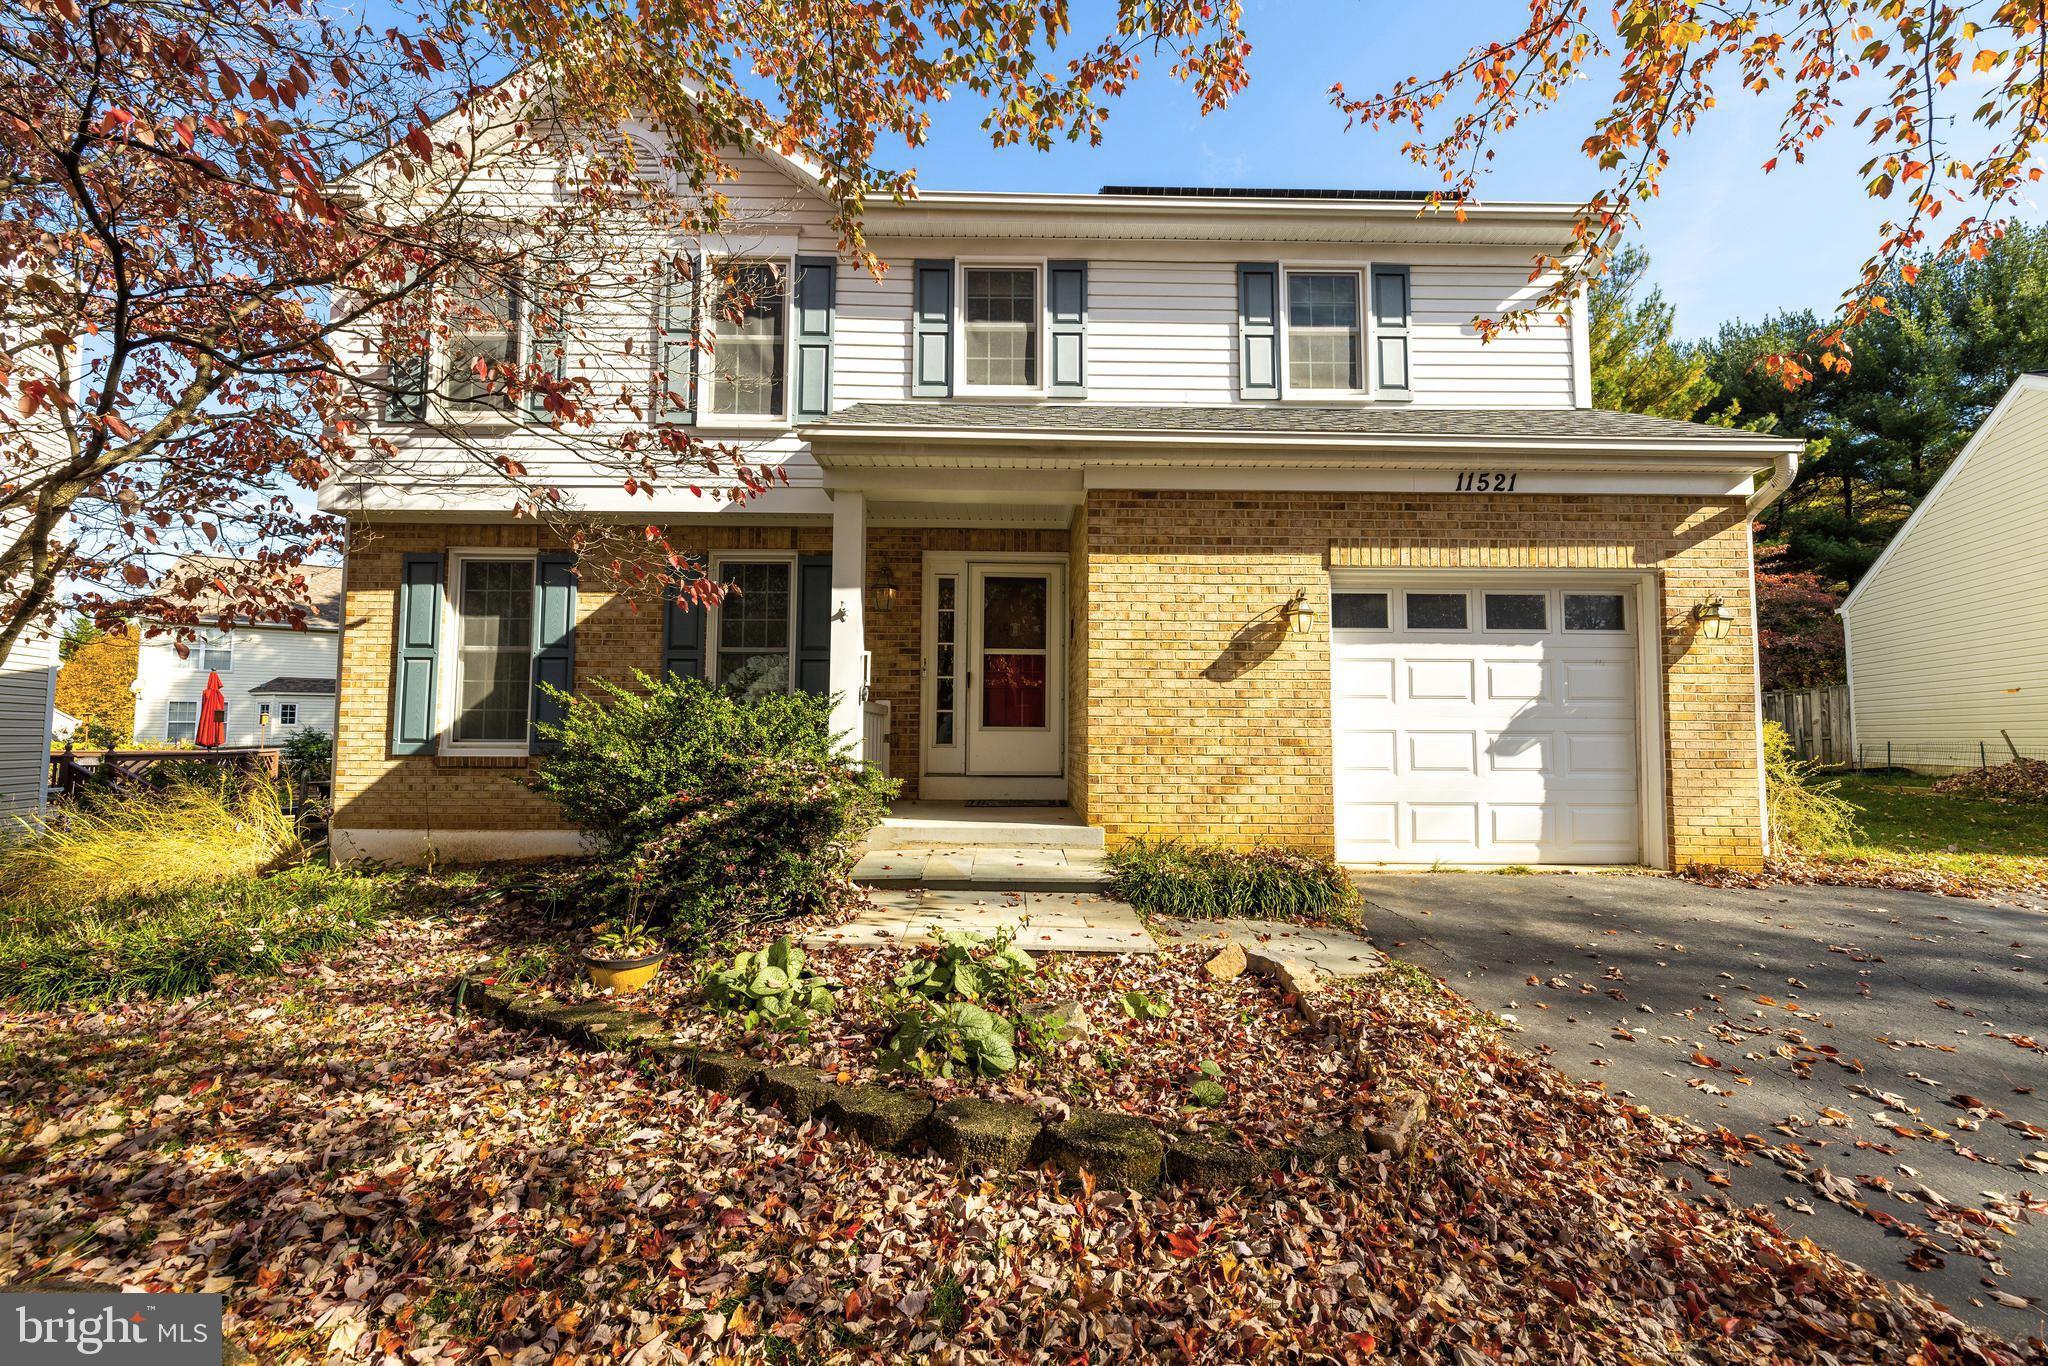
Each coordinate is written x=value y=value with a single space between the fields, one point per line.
x=615 y=634
x=1204 y=718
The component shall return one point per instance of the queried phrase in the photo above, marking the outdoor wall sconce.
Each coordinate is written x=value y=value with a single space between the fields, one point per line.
x=884 y=588
x=1714 y=617
x=1299 y=616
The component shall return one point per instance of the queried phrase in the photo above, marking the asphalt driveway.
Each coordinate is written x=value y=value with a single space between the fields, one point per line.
x=1892 y=1046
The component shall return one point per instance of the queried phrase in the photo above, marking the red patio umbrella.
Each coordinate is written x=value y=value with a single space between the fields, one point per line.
x=213 y=715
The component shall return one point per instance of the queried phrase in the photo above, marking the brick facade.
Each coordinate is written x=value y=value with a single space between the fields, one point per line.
x=1204 y=717
x=1190 y=711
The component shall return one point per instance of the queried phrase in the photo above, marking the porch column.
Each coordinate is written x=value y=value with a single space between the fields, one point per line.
x=849 y=635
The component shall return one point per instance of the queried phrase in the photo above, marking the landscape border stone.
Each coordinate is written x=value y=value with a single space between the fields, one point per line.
x=1123 y=1149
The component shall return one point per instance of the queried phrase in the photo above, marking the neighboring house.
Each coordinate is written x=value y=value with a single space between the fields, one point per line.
x=1205 y=512
x=278 y=680
x=63 y=726
x=28 y=701
x=1946 y=637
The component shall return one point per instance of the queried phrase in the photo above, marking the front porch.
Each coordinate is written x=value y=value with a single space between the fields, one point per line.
x=962 y=847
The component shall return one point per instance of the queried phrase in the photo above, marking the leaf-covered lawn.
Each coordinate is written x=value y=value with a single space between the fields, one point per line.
x=367 y=1175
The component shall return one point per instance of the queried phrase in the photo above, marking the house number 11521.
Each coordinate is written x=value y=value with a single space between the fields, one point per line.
x=1485 y=481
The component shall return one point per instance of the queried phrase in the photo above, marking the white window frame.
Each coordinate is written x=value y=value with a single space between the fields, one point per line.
x=1551 y=624
x=1471 y=626
x=1037 y=266
x=783 y=258
x=714 y=655
x=193 y=703
x=440 y=403
x=287 y=713
x=1361 y=281
x=448 y=684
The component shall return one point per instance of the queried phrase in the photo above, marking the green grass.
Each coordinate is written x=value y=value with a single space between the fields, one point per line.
x=176 y=943
x=1905 y=823
x=1204 y=882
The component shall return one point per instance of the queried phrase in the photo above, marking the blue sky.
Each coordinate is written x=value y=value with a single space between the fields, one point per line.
x=1726 y=239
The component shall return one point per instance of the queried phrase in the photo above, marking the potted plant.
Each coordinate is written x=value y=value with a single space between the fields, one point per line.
x=623 y=956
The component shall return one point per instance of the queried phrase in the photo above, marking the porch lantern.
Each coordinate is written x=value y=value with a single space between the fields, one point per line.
x=1299 y=616
x=1714 y=617
x=884 y=588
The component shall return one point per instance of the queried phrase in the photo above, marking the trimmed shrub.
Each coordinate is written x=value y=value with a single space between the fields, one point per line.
x=175 y=943
x=1805 y=813
x=1203 y=882
x=213 y=829
x=715 y=812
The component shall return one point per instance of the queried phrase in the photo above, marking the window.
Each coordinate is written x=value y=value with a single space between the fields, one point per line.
x=181 y=722
x=748 y=351
x=483 y=325
x=212 y=654
x=1594 y=612
x=1001 y=332
x=1358 y=611
x=1436 y=612
x=754 y=627
x=494 y=651
x=1014 y=652
x=944 y=676
x=1322 y=332
x=287 y=713
x=1517 y=612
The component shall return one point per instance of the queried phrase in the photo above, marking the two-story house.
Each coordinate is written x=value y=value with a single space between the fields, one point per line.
x=1205 y=513
x=277 y=679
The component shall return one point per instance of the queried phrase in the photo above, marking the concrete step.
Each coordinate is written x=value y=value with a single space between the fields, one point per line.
x=956 y=825
x=1036 y=868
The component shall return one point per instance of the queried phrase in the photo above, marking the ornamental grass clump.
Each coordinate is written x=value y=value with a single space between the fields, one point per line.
x=714 y=812
x=151 y=842
x=1204 y=882
x=1805 y=813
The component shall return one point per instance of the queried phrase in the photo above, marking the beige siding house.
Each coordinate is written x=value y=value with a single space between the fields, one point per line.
x=1200 y=513
x=1947 y=639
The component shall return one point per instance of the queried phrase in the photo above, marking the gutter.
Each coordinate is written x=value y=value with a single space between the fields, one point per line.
x=1784 y=468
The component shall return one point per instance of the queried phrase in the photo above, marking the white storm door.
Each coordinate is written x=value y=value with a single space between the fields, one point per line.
x=1485 y=723
x=1014 y=689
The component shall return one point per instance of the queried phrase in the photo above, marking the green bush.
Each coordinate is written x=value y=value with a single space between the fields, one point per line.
x=943 y=1038
x=714 y=811
x=1805 y=813
x=309 y=758
x=1202 y=882
x=176 y=943
x=971 y=967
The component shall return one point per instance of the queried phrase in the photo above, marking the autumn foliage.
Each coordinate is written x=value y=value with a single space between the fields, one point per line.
x=93 y=686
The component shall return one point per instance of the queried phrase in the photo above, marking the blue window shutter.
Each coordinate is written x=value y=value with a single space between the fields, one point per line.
x=554 y=643
x=931 y=362
x=1258 y=331
x=1066 y=295
x=682 y=637
x=1392 y=316
x=814 y=623
x=816 y=288
x=418 y=654
x=676 y=399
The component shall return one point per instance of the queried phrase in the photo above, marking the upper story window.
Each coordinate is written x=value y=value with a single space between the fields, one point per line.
x=484 y=325
x=212 y=654
x=749 y=336
x=1000 y=326
x=1324 y=347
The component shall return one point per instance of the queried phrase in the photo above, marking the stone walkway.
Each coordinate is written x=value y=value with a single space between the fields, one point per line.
x=1068 y=922
x=974 y=866
x=1337 y=953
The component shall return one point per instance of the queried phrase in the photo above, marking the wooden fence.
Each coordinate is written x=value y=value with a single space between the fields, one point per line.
x=122 y=770
x=1817 y=719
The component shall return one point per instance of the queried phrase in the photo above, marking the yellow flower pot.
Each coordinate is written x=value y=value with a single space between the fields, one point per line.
x=621 y=976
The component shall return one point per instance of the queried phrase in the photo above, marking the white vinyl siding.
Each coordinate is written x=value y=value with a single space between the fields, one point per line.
x=25 y=694
x=260 y=654
x=1948 y=638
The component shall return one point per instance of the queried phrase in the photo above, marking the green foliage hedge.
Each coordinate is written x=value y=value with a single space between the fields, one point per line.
x=714 y=811
x=1204 y=882
x=177 y=943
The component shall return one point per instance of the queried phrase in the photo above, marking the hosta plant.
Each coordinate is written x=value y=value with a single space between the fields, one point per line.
x=772 y=987
x=951 y=1038
x=971 y=967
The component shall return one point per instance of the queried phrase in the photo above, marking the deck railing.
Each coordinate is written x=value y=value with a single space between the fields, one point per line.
x=123 y=770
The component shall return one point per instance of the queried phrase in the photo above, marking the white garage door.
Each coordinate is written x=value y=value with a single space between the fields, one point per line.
x=1485 y=723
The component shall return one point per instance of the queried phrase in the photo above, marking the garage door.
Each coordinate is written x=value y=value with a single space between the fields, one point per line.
x=1482 y=723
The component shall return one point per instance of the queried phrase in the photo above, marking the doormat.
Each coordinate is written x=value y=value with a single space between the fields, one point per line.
x=987 y=802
